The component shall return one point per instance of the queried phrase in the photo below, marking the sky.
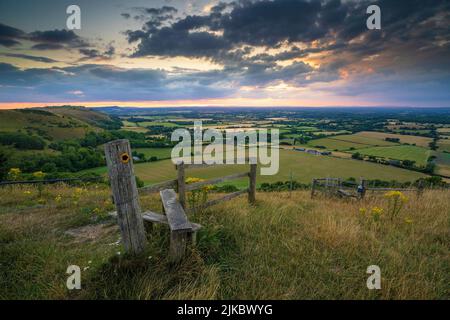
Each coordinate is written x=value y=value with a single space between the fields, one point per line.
x=162 y=53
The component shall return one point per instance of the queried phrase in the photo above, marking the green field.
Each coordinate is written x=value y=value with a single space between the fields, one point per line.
x=349 y=142
x=144 y=124
x=381 y=136
x=400 y=152
x=160 y=153
x=443 y=163
x=444 y=145
x=334 y=144
x=304 y=168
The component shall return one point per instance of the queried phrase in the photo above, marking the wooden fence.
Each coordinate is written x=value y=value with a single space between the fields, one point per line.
x=182 y=188
x=336 y=186
x=126 y=198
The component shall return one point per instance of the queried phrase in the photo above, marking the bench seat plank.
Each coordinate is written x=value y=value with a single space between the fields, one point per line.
x=176 y=216
x=153 y=217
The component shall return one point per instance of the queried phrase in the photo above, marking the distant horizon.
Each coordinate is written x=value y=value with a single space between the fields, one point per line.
x=280 y=107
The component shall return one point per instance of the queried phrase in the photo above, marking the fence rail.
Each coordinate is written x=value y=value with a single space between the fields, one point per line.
x=49 y=181
x=158 y=186
x=198 y=185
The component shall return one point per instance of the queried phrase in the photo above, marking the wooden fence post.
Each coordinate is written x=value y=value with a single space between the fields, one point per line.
x=313 y=188
x=252 y=184
x=420 y=188
x=181 y=184
x=125 y=194
x=363 y=185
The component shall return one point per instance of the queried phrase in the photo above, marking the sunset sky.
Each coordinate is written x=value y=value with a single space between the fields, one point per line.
x=225 y=53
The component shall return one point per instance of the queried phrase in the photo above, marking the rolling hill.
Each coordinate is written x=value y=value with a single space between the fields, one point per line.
x=54 y=123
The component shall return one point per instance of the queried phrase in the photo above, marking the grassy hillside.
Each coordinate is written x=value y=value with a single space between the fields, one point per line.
x=48 y=125
x=83 y=114
x=282 y=248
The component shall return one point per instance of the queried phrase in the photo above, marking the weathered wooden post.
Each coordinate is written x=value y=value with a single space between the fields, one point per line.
x=363 y=188
x=313 y=188
x=181 y=184
x=420 y=188
x=252 y=183
x=125 y=195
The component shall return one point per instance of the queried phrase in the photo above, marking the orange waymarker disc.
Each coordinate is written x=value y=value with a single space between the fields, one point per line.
x=124 y=157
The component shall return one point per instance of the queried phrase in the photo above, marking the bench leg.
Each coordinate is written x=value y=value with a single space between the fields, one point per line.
x=193 y=238
x=177 y=248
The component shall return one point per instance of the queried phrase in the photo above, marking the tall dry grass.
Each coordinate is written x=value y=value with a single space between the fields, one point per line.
x=284 y=247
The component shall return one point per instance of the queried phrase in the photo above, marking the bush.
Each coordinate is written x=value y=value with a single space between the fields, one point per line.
x=3 y=164
x=22 y=141
x=139 y=182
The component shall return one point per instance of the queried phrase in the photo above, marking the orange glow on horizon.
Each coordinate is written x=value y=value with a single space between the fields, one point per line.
x=230 y=102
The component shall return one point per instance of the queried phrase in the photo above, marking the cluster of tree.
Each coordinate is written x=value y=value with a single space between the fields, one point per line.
x=159 y=130
x=405 y=164
x=114 y=124
x=71 y=159
x=140 y=157
x=3 y=164
x=137 y=140
x=396 y=140
x=21 y=141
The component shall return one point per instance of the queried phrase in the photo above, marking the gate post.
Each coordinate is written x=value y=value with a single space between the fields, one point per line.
x=125 y=195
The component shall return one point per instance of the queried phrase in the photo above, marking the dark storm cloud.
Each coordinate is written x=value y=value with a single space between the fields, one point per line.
x=159 y=11
x=47 y=46
x=170 y=42
x=28 y=57
x=45 y=40
x=103 y=82
x=266 y=23
x=272 y=23
x=9 y=36
x=97 y=54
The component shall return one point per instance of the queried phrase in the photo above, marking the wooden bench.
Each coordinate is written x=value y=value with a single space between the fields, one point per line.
x=344 y=193
x=181 y=230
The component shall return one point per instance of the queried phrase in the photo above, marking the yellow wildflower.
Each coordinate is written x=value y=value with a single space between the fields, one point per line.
x=190 y=180
x=14 y=174
x=58 y=198
x=15 y=171
x=39 y=174
x=362 y=211
x=396 y=194
x=409 y=221
x=27 y=192
x=376 y=213
x=208 y=188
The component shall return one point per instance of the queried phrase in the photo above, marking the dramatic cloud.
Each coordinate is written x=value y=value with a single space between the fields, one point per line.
x=46 y=40
x=96 y=54
x=250 y=48
x=100 y=82
x=9 y=36
x=28 y=57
